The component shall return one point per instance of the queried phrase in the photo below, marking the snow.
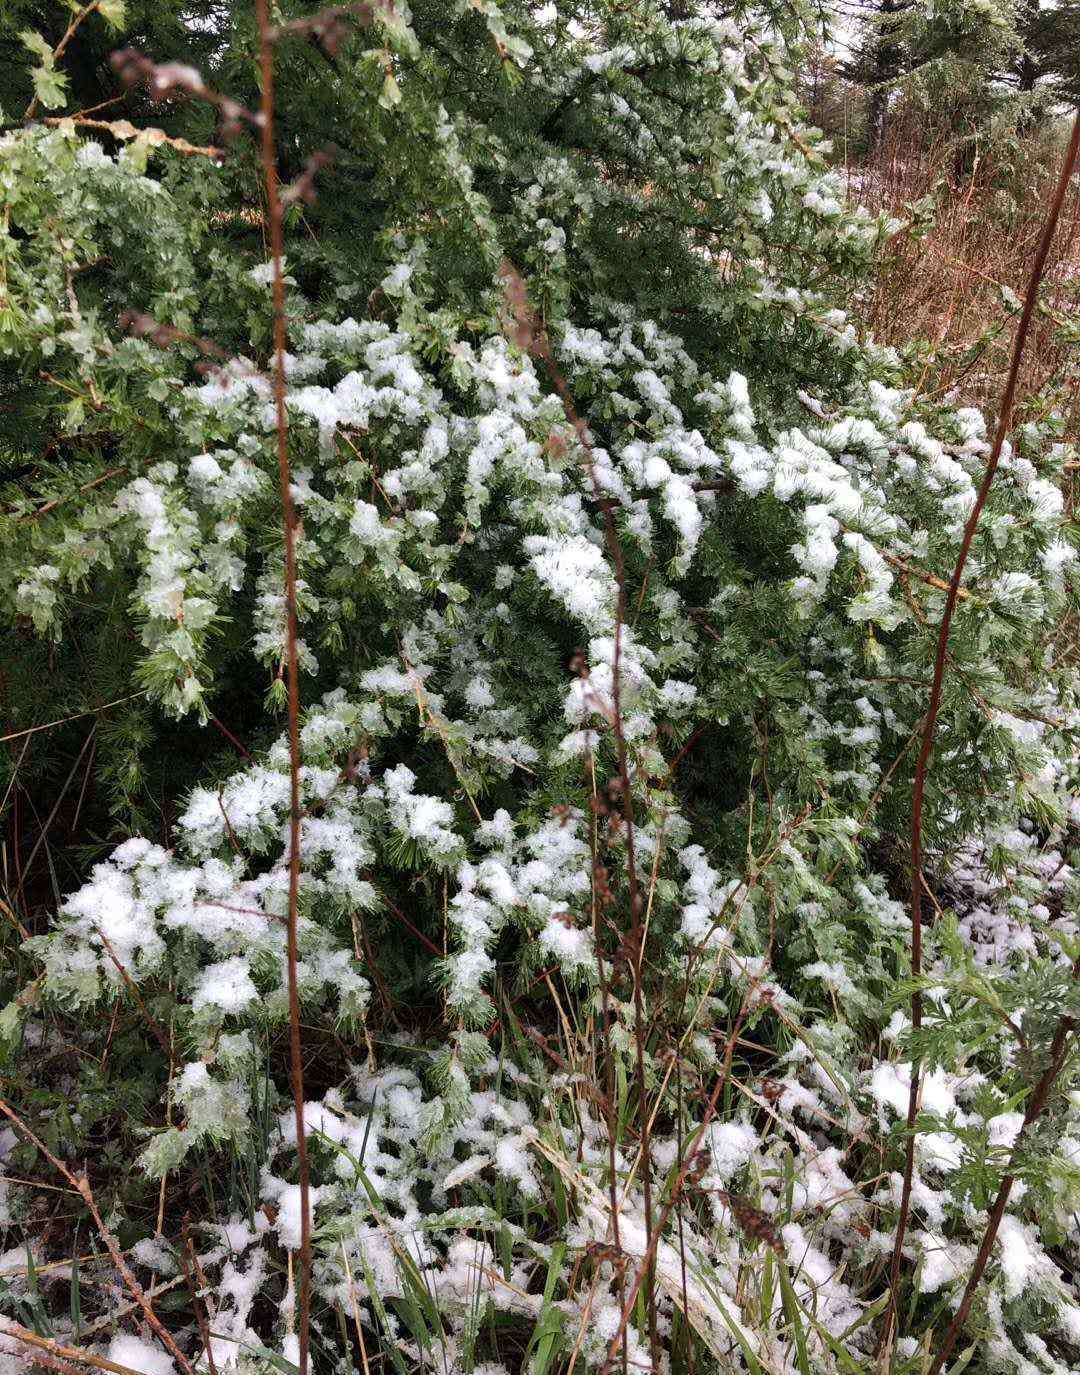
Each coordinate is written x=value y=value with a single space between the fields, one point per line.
x=126 y=1349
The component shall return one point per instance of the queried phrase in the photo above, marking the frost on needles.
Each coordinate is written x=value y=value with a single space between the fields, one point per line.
x=788 y=506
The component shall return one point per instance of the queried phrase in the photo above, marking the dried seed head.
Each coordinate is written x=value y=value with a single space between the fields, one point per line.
x=752 y=1222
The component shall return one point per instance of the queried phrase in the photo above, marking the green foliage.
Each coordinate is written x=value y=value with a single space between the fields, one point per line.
x=487 y=1050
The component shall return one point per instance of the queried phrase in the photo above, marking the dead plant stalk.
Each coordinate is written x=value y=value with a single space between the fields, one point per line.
x=1004 y=424
x=532 y=335
x=81 y=1184
x=277 y=251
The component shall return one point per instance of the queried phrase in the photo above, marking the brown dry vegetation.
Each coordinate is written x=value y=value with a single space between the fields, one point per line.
x=954 y=290
x=947 y=291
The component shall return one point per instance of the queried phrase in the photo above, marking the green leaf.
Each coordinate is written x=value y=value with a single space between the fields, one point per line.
x=794 y=1316
x=113 y=12
x=38 y=45
x=49 y=87
x=277 y=1361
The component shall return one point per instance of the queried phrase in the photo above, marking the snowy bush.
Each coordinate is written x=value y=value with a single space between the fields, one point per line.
x=483 y=1045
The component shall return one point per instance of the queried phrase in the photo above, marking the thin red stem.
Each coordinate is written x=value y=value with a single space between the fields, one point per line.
x=277 y=251
x=1004 y=424
x=1059 y=1050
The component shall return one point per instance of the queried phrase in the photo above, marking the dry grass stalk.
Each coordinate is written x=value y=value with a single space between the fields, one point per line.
x=81 y=1184
x=57 y=1356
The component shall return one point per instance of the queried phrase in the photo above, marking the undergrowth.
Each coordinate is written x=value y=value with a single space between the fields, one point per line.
x=585 y=480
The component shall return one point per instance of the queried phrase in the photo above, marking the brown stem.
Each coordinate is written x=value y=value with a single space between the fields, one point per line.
x=277 y=250
x=425 y=941
x=132 y=988
x=122 y=129
x=56 y=1355
x=190 y=1263
x=86 y=487
x=227 y=733
x=81 y=1184
x=1004 y=424
x=1059 y=1050
x=58 y=51
x=533 y=335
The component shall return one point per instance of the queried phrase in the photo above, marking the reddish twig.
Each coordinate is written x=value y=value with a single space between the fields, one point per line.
x=1059 y=1050
x=228 y=824
x=303 y=188
x=425 y=941
x=1003 y=425
x=532 y=335
x=277 y=255
x=130 y=984
x=227 y=733
x=81 y=1184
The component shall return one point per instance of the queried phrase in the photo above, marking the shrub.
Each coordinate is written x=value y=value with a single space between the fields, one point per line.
x=617 y=611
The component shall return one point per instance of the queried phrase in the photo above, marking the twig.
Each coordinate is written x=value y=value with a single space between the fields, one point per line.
x=123 y=130
x=59 y=1352
x=227 y=733
x=64 y=720
x=929 y=578
x=159 y=1035
x=424 y=940
x=52 y=814
x=177 y=80
x=190 y=1261
x=82 y=1185
x=86 y=487
x=1004 y=424
x=58 y=51
x=277 y=254
x=1059 y=1050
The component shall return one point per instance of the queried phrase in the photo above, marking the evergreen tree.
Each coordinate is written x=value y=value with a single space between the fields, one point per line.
x=975 y=62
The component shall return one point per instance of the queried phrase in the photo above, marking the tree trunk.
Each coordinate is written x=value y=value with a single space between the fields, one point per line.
x=877 y=122
x=1027 y=73
x=887 y=66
